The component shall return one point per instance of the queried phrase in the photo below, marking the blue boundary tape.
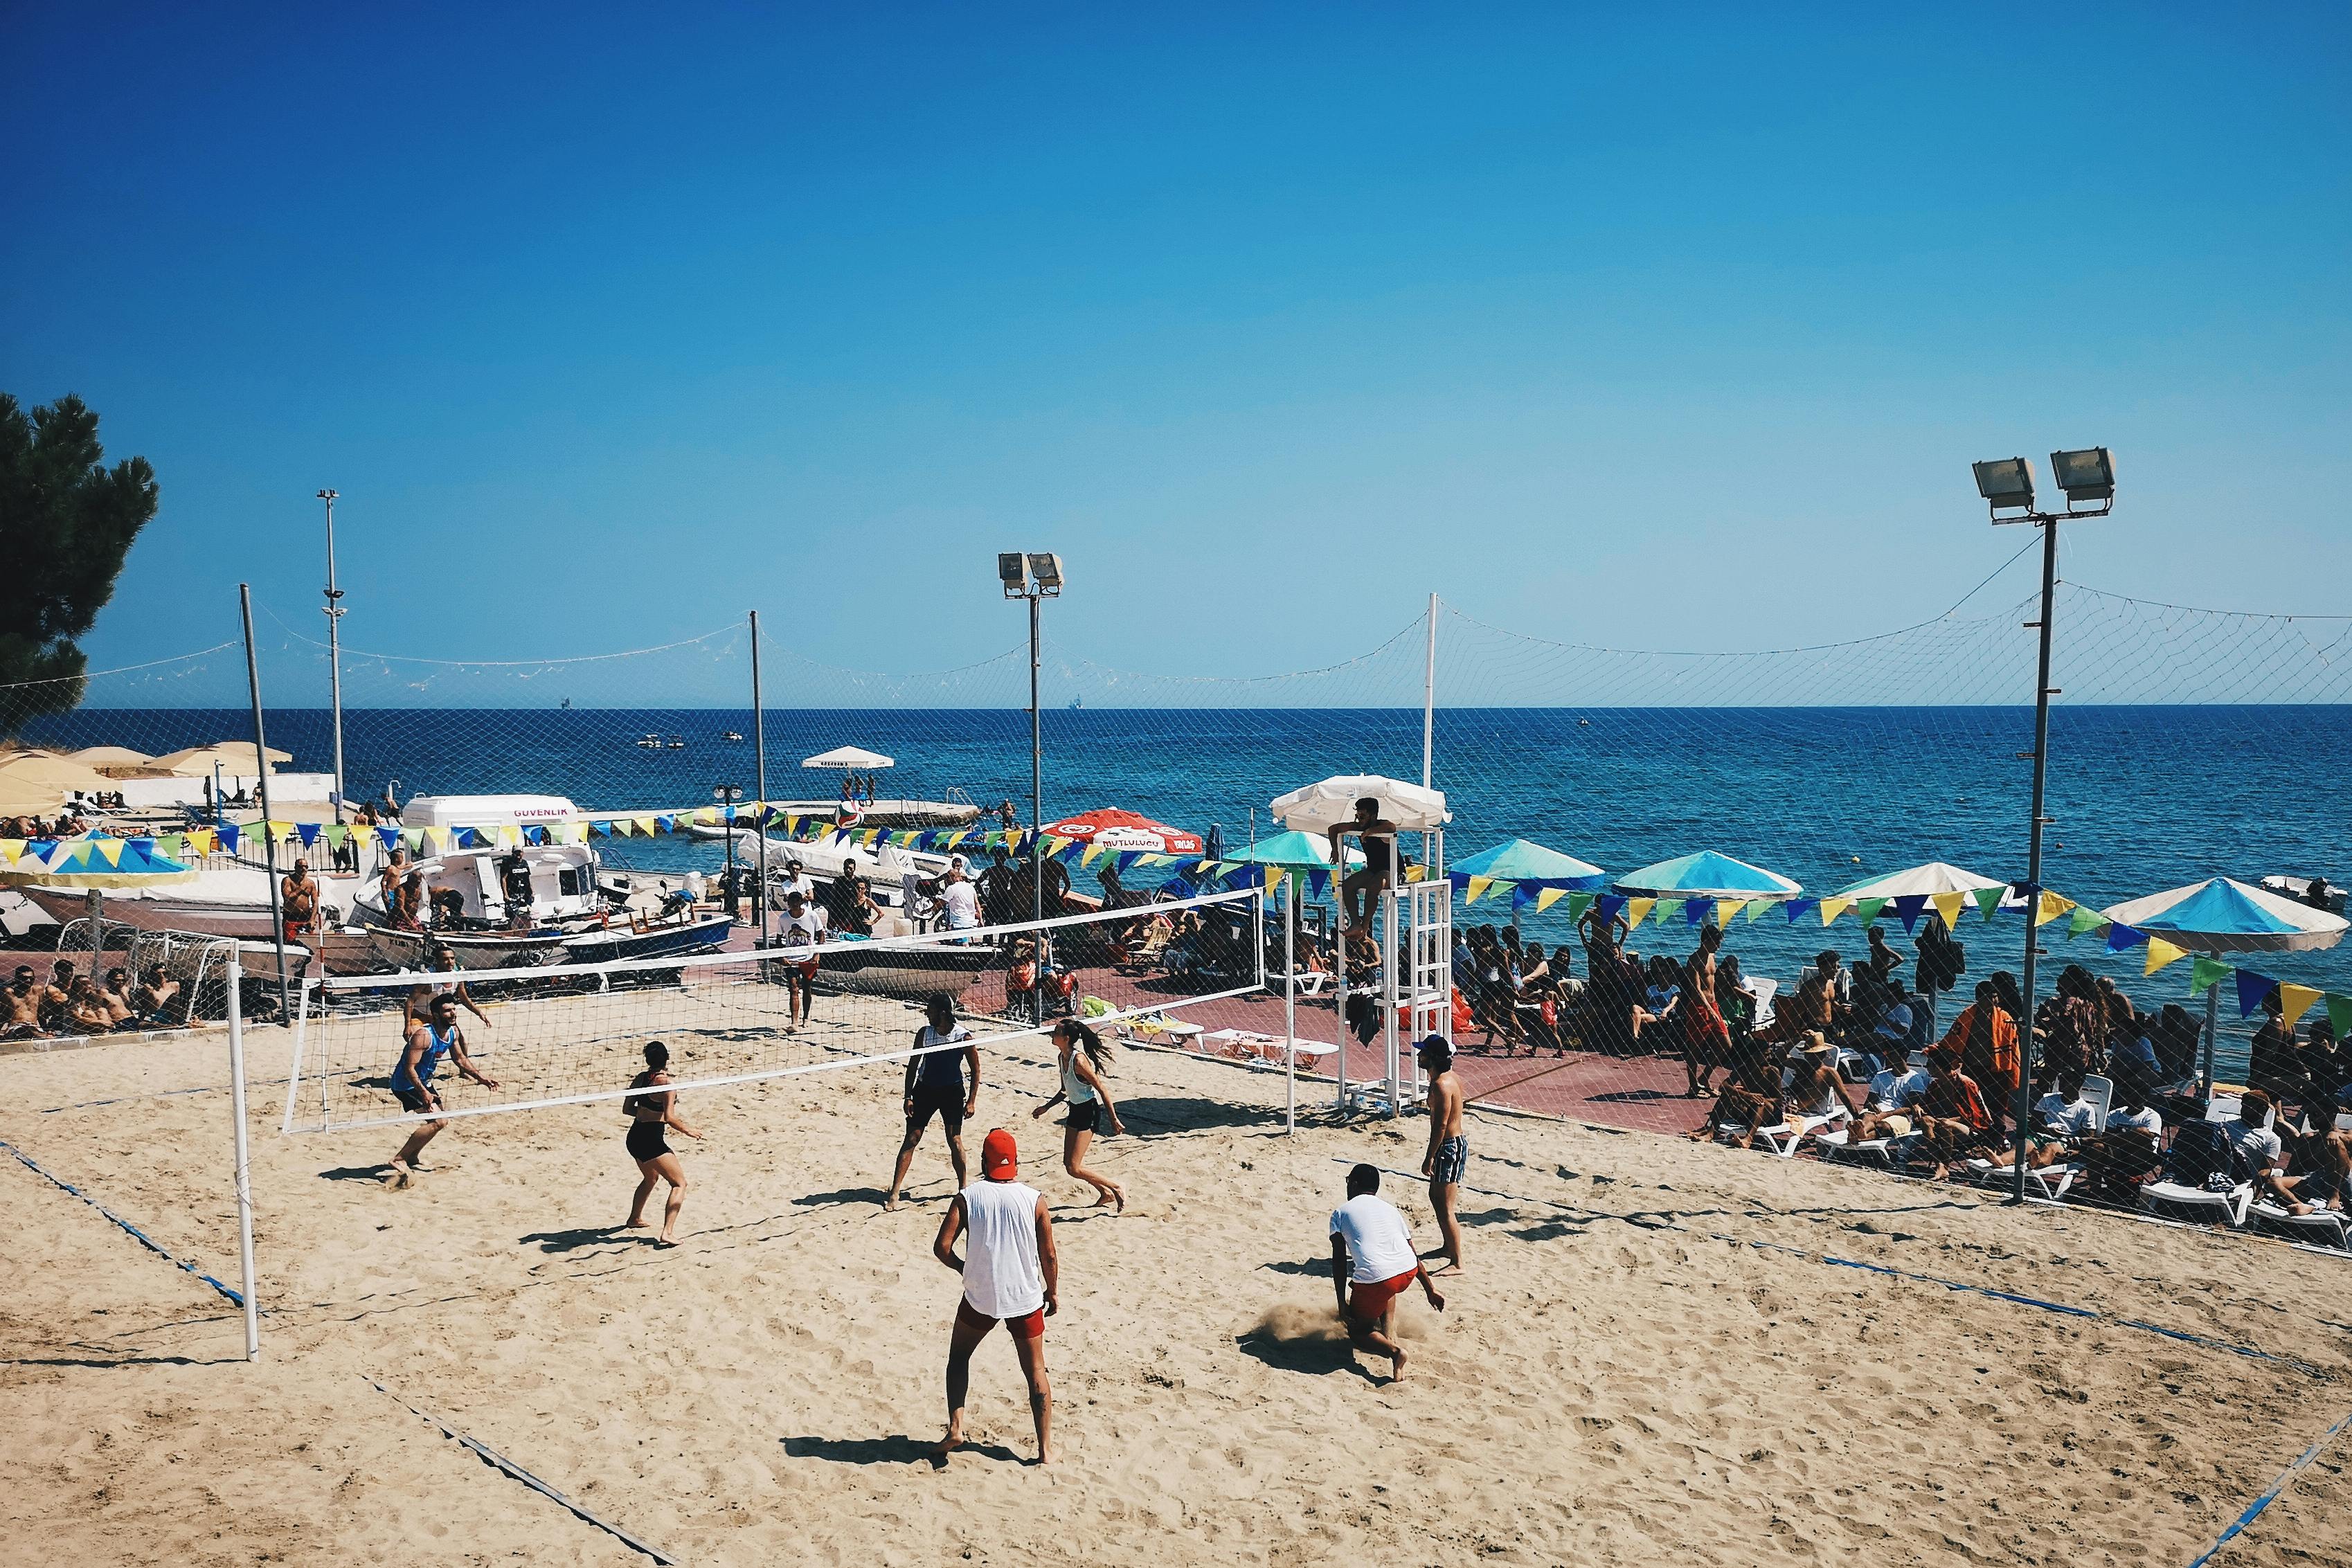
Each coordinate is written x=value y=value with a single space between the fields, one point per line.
x=2286 y=1477
x=505 y=1466
x=2059 y=1308
x=136 y=1234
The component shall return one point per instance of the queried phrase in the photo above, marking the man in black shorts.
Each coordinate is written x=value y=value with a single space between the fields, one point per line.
x=941 y=1081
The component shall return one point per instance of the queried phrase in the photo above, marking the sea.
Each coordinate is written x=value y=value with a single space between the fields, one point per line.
x=2139 y=798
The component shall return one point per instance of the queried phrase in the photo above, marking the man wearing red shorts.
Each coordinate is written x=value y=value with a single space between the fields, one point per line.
x=1010 y=1276
x=1373 y=1260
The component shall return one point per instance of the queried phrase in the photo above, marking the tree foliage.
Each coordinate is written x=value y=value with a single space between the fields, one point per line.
x=66 y=521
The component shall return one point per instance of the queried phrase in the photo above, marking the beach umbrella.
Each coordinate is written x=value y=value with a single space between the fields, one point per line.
x=82 y=863
x=45 y=771
x=1528 y=866
x=2219 y=915
x=1123 y=831
x=1920 y=882
x=234 y=757
x=1319 y=808
x=1291 y=851
x=1706 y=874
x=855 y=756
x=105 y=756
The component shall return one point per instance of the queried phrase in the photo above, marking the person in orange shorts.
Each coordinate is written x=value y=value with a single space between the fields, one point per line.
x=1010 y=1276
x=1373 y=1260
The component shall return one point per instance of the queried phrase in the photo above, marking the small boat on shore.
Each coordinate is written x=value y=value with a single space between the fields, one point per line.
x=697 y=933
x=857 y=966
x=476 y=950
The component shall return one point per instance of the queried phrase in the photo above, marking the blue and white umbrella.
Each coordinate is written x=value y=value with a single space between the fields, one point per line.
x=1706 y=874
x=2220 y=916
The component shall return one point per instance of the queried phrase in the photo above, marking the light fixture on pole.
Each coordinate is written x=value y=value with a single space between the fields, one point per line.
x=727 y=794
x=2006 y=484
x=1034 y=575
x=335 y=649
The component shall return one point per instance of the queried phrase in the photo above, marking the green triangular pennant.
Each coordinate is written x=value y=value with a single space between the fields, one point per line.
x=1987 y=899
x=2205 y=973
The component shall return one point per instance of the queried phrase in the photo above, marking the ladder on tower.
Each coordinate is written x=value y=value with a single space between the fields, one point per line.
x=1417 y=981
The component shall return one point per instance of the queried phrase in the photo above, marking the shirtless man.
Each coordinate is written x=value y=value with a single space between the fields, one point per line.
x=1707 y=1038
x=157 y=993
x=409 y=913
x=120 y=1009
x=20 y=1006
x=299 y=901
x=1378 y=835
x=1449 y=1150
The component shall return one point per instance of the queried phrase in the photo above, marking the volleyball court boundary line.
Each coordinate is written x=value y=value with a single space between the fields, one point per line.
x=927 y=941
x=130 y=1229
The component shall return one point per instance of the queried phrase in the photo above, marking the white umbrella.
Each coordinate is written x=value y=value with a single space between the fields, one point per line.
x=848 y=757
x=2219 y=915
x=1319 y=808
x=1928 y=881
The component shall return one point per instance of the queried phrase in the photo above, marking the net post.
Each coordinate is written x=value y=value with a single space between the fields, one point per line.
x=244 y=1163
x=1340 y=968
x=301 y=1038
x=759 y=821
x=261 y=785
x=1389 y=998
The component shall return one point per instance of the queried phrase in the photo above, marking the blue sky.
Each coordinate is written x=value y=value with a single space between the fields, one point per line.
x=1670 y=330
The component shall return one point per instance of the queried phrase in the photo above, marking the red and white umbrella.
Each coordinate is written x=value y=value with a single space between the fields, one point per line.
x=1125 y=831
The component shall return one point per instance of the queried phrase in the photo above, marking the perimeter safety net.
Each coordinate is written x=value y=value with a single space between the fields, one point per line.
x=569 y=1033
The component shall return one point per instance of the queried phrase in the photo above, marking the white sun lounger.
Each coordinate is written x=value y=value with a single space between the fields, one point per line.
x=2049 y=1182
x=2175 y=1201
x=1783 y=1139
x=2324 y=1226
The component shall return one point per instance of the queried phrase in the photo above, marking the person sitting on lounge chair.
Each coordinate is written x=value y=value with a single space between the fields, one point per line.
x=1951 y=1112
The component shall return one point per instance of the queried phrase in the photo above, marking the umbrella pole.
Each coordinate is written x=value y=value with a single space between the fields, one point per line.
x=1289 y=1009
x=2212 y=1033
x=1340 y=966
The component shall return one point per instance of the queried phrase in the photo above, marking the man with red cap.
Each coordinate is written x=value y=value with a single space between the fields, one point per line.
x=1009 y=1277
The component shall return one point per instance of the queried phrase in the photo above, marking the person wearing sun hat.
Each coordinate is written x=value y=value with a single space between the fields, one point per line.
x=1011 y=1275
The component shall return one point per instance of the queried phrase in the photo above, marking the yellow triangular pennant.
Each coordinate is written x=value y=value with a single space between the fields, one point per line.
x=1948 y=905
x=1833 y=907
x=109 y=850
x=1636 y=908
x=2052 y=905
x=11 y=850
x=1725 y=908
x=2159 y=954
x=1548 y=896
x=2295 y=1001
x=1478 y=887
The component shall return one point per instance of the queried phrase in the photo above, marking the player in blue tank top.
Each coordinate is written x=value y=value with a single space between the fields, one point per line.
x=427 y=1042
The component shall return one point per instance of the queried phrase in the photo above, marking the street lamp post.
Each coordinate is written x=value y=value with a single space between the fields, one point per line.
x=335 y=648
x=727 y=794
x=1035 y=577
x=2007 y=485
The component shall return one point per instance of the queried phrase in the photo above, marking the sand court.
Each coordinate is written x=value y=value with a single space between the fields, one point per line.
x=1658 y=1351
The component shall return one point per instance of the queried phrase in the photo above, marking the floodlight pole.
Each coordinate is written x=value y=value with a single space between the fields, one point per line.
x=335 y=655
x=1429 y=697
x=2021 y=1101
x=760 y=815
x=1036 y=819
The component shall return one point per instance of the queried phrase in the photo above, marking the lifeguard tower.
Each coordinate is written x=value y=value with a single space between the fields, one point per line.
x=1413 y=926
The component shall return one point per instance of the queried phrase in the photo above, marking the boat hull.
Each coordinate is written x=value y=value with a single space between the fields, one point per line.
x=412 y=950
x=662 y=941
x=901 y=973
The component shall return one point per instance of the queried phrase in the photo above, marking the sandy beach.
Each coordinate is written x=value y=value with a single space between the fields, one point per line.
x=1651 y=1357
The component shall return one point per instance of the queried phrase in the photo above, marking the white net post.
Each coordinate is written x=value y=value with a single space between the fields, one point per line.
x=1290 y=1003
x=243 y=1162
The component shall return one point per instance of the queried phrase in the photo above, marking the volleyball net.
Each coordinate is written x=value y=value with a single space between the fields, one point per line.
x=574 y=1033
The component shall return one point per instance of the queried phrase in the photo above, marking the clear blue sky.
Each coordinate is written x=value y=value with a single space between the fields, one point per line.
x=1677 y=329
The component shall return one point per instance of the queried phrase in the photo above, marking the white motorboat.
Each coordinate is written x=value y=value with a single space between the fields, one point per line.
x=222 y=901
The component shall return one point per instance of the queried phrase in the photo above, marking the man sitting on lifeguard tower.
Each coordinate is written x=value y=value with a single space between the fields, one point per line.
x=1361 y=887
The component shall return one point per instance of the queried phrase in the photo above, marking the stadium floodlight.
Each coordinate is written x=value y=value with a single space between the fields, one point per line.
x=1011 y=571
x=1048 y=570
x=2006 y=484
x=2088 y=475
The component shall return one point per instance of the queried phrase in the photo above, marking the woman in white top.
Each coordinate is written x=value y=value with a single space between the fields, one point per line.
x=1083 y=1058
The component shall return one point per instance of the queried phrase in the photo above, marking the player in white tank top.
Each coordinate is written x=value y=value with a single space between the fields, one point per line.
x=1009 y=1275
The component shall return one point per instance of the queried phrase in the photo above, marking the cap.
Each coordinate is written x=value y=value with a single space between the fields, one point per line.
x=1434 y=1046
x=1895 y=1022
x=1000 y=1157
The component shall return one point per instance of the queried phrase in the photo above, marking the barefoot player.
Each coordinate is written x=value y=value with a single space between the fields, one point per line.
x=941 y=1081
x=1373 y=1263
x=1449 y=1150
x=1010 y=1276
x=412 y=1078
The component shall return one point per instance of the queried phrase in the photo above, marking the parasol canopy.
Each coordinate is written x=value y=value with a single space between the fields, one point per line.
x=1124 y=831
x=1920 y=882
x=1526 y=864
x=848 y=757
x=85 y=863
x=1319 y=808
x=2220 y=916
x=1707 y=874
x=235 y=757
x=42 y=772
x=103 y=757
x=1291 y=851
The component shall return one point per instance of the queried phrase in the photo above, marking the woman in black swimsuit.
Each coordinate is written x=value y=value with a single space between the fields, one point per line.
x=650 y=1117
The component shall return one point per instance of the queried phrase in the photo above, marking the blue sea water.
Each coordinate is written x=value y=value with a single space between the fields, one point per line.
x=2140 y=799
